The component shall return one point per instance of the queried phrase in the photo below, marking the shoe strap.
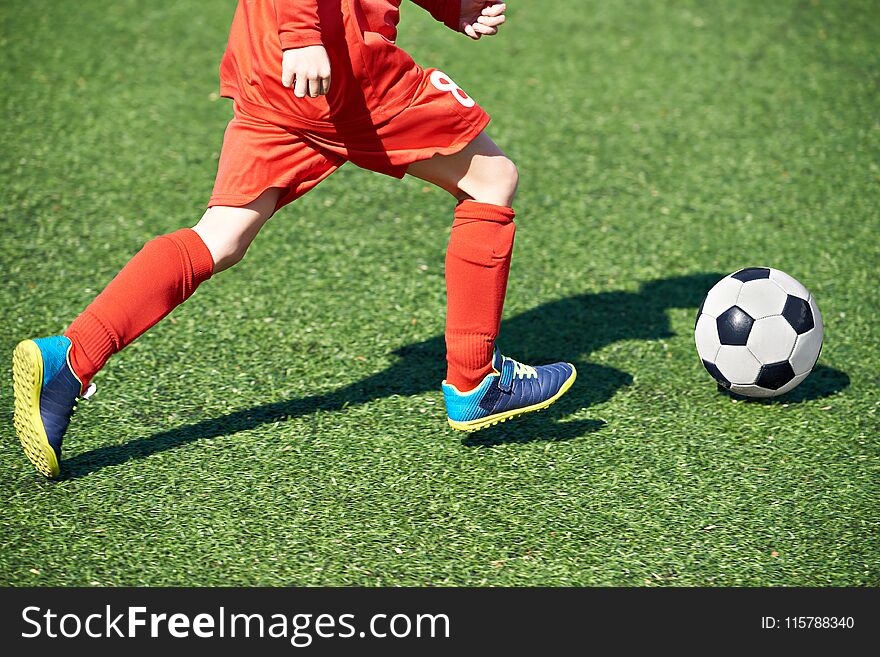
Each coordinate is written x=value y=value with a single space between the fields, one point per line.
x=512 y=369
x=508 y=367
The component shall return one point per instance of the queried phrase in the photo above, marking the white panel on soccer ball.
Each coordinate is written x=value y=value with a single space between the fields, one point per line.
x=771 y=339
x=806 y=350
x=752 y=391
x=722 y=296
x=789 y=284
x=706 y=337
x=817 y=316
x=737 y=364
x=761 y=298
x=794 y=383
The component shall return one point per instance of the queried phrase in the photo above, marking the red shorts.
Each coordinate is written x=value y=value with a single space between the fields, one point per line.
x=257 y=154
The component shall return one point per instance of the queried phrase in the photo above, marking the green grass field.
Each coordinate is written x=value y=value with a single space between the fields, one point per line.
x=285 y=426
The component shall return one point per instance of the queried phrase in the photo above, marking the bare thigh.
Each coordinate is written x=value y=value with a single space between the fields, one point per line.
x=481 y=171
x=228 y=231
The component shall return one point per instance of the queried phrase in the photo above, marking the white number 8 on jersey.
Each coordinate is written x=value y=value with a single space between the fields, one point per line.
x=444 y=83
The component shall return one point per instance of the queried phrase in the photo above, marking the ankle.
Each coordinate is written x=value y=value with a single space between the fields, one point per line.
x=466 y=380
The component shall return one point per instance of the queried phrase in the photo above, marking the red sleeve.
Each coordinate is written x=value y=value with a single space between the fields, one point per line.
x=445 y=11
x=298 y=23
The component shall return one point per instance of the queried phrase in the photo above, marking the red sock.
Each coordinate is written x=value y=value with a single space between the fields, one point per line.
x=156 y=280
x=477 y=265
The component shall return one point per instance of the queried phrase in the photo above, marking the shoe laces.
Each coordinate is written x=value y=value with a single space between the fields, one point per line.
x=88 y=393
x=511 y=370
x=522 y=371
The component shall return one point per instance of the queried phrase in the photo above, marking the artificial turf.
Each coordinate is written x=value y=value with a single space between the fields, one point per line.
x=285 y=427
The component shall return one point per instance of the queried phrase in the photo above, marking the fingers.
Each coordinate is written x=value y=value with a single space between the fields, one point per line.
x=487 y=23
x=311 y=85
x=482 y=29
x=497 y=9
x=287 y=76
x=491 y=21
x=307 y=69
x=471 y=32
x=316 y=87
x=301 y=86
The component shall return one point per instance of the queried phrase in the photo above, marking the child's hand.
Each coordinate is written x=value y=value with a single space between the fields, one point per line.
x=307 y=69
x=479 y=17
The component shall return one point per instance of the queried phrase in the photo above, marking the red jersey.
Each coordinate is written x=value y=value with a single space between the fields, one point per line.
x=370 y=76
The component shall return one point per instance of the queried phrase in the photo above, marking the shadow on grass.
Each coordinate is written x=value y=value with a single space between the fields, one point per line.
x=569 y=329
x=822 y=382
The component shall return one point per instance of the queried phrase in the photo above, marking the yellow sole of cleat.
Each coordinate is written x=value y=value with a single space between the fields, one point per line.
x=27 y=383
x=476 y=425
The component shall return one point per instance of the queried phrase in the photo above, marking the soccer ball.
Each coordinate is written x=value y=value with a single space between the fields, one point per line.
x=759 y=332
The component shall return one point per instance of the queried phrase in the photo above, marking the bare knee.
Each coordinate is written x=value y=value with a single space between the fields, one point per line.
x=229 y=231
x=481 y=171
x=508 y=179
x=226 y=234
x=494 y=180
x=229 y=251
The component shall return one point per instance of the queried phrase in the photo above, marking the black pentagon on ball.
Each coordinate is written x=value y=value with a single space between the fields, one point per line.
x=775 y=375
x=712 y=369
x=798 y=313
x=751 y=274
x=734 y=325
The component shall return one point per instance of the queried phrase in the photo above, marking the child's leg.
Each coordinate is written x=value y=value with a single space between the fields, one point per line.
x=228 y=231
x=164 y=274
x=481 y=172
x=478 y=257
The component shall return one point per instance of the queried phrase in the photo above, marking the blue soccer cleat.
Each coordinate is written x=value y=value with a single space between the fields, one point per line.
x=46 y=390
x=511 y=390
